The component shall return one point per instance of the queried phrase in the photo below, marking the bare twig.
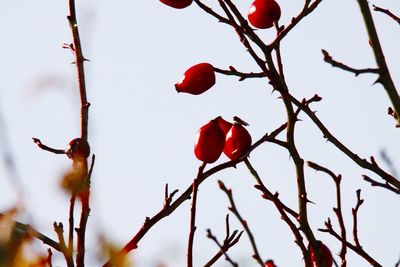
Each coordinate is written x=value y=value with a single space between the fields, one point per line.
x=192 y=230
x=243 y=222
x=26 y=228
x=47 y=148
x=338 y=210
x=283 y=209
x=357 y=248
x=372 y=166
x=387 y=12
x=59 y=229
x=242 y=75
x=229 y=241
x=79 y=60
x=328 y=58
x=354 y=211
x=71 y=224
x=385 y=185
x=307 y=9
x=49 y=258
x=84 y=196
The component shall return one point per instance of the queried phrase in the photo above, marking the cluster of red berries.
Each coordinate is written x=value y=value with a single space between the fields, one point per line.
x=262 y=13
x=219 y=136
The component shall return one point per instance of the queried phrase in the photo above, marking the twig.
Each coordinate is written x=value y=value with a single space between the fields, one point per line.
x=372 y=166
x=208 y=10
x=354 y=211
x=192 y=230
x=328 y=58
x=229 y=241
x=47 y=148
x=387 y=12
x=357 y=248
x=71 y=224
x=385 y=185
x=338 y=210
x=59 y=229
x=384 y=75
x=79 y=60
x=242 y=75
x=26 y=228
x=243 y=222
x=84 y=196
x=282 y=209
x=307 y=9
x=49 y=257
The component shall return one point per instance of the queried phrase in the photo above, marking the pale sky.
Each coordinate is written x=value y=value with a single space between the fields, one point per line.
x=142 y=131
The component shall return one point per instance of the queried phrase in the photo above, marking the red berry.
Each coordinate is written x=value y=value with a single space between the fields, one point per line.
x=209 y=142
x=237 y=142
x=326 y=255
x=78 y=149
x=263 y=13
x=177 y=3
x=225 y=126
x=197 y=79
x=269 y=263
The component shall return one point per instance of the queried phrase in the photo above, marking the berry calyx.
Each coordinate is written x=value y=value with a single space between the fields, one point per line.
x=209 y=142
x=179 y=4
x=263 y=13
x=197 y=79
x=237 y=141
x=326 y=255
x=78 y=149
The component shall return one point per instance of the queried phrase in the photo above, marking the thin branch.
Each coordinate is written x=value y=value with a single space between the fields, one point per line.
x=84 y=196
x=372 y=166
x=328 y=58
x=242 y=75
x=49 y=258
x=357 y=248
x=387 y=12
x=79 y=60
x=385 y=185
x=59 y=229
x=338 y=210
x=192 y=230
x=208 y=10
x=354 y=212
x=229 y=241
x=283 y=209
x=307 y=9
x=71 y=224
x=47 y=148
x=243 y=222
x=26 y=228
x=384 y=75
